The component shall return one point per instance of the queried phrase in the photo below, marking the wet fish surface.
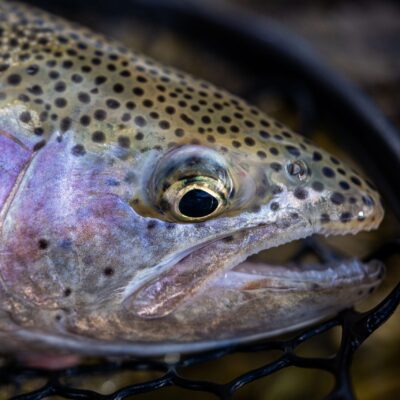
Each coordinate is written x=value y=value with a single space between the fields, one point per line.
x=132 y=195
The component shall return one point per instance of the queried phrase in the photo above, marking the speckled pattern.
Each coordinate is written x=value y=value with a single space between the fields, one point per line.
x=99 y=142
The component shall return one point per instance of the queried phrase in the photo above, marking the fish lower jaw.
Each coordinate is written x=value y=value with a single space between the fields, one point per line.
x=327 y=276
x=335 y=273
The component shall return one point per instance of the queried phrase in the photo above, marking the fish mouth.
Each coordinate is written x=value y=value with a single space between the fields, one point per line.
x=226 y=262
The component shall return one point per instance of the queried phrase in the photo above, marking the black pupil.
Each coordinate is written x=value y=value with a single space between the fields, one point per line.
x=197 y=203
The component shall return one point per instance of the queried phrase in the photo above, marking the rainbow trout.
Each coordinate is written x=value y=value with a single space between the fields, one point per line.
x=132 y=194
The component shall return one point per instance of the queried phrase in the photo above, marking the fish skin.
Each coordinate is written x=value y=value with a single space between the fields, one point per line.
x=92 y=257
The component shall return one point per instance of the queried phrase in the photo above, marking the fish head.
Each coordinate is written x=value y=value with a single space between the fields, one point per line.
x=245 y=193
x=137 y=193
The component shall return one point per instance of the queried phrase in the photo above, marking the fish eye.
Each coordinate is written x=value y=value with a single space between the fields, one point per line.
x=195 y=199
x=197 y=203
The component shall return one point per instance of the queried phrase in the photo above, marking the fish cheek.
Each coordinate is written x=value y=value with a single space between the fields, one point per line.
x=63 y=237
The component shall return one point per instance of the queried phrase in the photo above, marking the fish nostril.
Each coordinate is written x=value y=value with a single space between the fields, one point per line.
x=297 y=169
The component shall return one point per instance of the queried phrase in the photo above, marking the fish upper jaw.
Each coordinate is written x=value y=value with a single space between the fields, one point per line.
x=348 y=218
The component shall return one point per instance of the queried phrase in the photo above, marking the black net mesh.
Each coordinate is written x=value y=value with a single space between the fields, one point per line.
x=299 y=94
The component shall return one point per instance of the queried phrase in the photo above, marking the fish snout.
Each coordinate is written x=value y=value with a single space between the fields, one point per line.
x=347 y=206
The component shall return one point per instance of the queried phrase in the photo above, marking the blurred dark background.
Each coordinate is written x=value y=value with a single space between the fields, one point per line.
x=361 y=40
